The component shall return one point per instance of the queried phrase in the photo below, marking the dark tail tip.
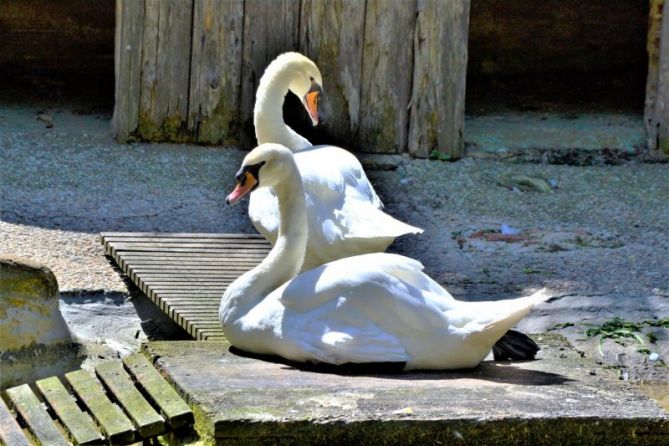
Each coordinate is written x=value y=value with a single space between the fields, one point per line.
x=515 y=346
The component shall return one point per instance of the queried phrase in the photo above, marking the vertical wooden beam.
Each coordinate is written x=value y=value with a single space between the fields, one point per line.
x=387 y=67
x=662 y=103
x=166 y=66
x=657 y=84
x=213 y=109
x=437 y=115
x=331 y=33
x=270 y=28
x=127 y=67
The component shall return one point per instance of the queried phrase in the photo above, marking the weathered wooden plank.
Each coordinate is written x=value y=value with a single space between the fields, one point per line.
x=331 y=33
x=127 y=67
x=180 y=235
x=211 y=241
x=437 y=113
x=116 y=426
x=146 y=420
x=189 y=244
x=662 y=102
x=187 y=286
x=172 y=407
x=78 y=423
x=387 y=65
x=37 y=419
x=166 y=47
x=148 y=247
x=11 y=433
x=213 y=116
x=270 y=28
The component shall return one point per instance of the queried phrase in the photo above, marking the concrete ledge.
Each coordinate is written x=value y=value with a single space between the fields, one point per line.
x=556 y=400
x=29 y=312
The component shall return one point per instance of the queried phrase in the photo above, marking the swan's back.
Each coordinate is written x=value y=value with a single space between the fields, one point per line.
x=375 y=308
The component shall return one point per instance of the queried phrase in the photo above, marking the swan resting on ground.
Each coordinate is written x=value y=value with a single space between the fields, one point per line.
x=344 y=212
x=368 y=308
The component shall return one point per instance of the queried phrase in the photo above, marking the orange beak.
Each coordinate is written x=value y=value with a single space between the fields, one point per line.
x=311 y=103
x=242 y=188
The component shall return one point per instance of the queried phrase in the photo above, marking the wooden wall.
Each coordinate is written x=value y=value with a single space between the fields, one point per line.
x=657 y=87
x=394 y=71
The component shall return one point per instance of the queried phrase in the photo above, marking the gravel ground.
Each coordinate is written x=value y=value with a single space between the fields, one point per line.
x=600 y=241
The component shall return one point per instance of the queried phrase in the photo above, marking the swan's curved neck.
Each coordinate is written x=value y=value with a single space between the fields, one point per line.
x=268 y=111
x=284 y=260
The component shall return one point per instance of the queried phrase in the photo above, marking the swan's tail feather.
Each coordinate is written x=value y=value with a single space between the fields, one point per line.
x=510 y=312
x=515 y=346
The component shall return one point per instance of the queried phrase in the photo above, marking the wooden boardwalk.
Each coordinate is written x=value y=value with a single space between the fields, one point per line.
x=123 y=403
x=186 y=274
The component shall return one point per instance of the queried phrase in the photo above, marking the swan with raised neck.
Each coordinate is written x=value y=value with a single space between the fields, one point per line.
x=288 y=72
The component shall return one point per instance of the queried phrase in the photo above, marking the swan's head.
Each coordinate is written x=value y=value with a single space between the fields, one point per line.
x=305 y=80
x=265 y=166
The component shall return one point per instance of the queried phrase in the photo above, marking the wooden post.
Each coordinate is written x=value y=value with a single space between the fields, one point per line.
x=662 y=104
x=213 y=108
x=437 y=116
x=331 y=33
x=127 y=67
x=387 y=64
x=166 y=49
x=656 y=112
x=270 y=28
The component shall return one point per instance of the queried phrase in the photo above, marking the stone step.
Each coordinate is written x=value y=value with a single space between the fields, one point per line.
x=559 y=399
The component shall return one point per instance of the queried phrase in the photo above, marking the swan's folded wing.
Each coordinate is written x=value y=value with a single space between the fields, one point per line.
x=341 y=201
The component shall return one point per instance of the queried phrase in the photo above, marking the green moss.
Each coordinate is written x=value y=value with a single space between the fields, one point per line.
x=664 y=145
x=221 y=127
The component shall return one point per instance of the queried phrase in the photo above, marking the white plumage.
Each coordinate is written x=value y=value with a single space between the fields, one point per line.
x=344 y=211
x=368 y=308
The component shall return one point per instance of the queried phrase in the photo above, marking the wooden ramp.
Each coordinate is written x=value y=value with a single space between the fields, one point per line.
x=186 y=274
x=122 y=403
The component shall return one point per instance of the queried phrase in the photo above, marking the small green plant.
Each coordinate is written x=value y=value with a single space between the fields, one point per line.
x=439 y=155
x=620 y=331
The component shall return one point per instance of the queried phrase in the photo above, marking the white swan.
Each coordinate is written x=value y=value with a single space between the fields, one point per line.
x=344 y=212
x=368 y=308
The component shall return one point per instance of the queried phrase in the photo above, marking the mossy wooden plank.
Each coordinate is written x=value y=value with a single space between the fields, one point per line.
x=80 y=425
x=172 y=406
x=215 y=77
x=437 y=114
x=36 y=417
x=11 y=433
x=386 y=75
x=662 y=104
x=116 y=426
x=127 y=66
x=166 y=49
x=147 y=421
x=331 y=33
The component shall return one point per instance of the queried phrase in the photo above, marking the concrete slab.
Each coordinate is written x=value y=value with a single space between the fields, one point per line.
x=559 y=399
x=567 y=138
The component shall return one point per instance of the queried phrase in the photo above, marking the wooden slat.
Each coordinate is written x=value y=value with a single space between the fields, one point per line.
x=186 y=274
x=127 y=66
x=172 y=407
x=437 y=112
x=36 y=417
x=11 y=433
x=147 y=421
x=116 y=426
x=78 y=423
